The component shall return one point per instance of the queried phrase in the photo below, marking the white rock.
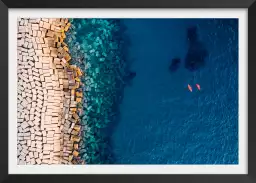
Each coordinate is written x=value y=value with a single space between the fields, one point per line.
x=45 y=25
x=38 y=161
x=24 y=125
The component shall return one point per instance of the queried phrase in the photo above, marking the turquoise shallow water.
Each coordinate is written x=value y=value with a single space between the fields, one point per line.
x=159 y=120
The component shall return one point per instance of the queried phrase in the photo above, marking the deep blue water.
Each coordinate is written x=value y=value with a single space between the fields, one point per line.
x=162 y=122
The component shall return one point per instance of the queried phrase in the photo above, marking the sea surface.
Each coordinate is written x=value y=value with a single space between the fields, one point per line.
x=161 y=121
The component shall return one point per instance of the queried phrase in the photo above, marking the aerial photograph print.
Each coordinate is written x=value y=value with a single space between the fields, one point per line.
x=131 y=91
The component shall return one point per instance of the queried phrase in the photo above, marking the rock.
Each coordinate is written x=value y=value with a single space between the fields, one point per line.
x=38 y=65
x=129 y=77
x=75 y=153
x=50 y=33
x=46 y=50
x=174 y=64
x=197 y=53
x=46 y=25
x=54 y=53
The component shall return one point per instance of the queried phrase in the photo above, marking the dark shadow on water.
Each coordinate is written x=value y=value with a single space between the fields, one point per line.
x=197 y=53
x=129 y=77
x=175 y=64
x=196 y=56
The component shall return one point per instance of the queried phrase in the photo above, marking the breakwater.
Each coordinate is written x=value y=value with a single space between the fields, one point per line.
x=70 y=76
x=48 y=94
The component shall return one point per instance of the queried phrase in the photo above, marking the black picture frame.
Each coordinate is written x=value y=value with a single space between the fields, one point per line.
x=5 y=4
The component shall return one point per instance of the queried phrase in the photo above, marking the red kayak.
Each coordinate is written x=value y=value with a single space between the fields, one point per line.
x=189 y=88
x=198 y=86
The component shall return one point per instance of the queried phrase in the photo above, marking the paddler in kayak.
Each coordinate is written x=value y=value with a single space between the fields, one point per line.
x=190 y=88
x=198 y=86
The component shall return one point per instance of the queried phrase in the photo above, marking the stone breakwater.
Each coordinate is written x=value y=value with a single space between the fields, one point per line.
x=49 y=94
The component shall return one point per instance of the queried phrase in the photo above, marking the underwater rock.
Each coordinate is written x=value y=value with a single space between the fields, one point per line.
x=192 y=35
x=174 y=64
x=98 y=51
x=129 y=77
x=197 y=53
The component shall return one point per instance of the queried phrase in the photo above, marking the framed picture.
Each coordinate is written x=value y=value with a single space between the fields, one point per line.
x=127 y=91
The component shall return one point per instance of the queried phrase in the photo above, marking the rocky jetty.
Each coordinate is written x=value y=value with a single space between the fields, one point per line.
x=71 y=74
x=48 y=95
